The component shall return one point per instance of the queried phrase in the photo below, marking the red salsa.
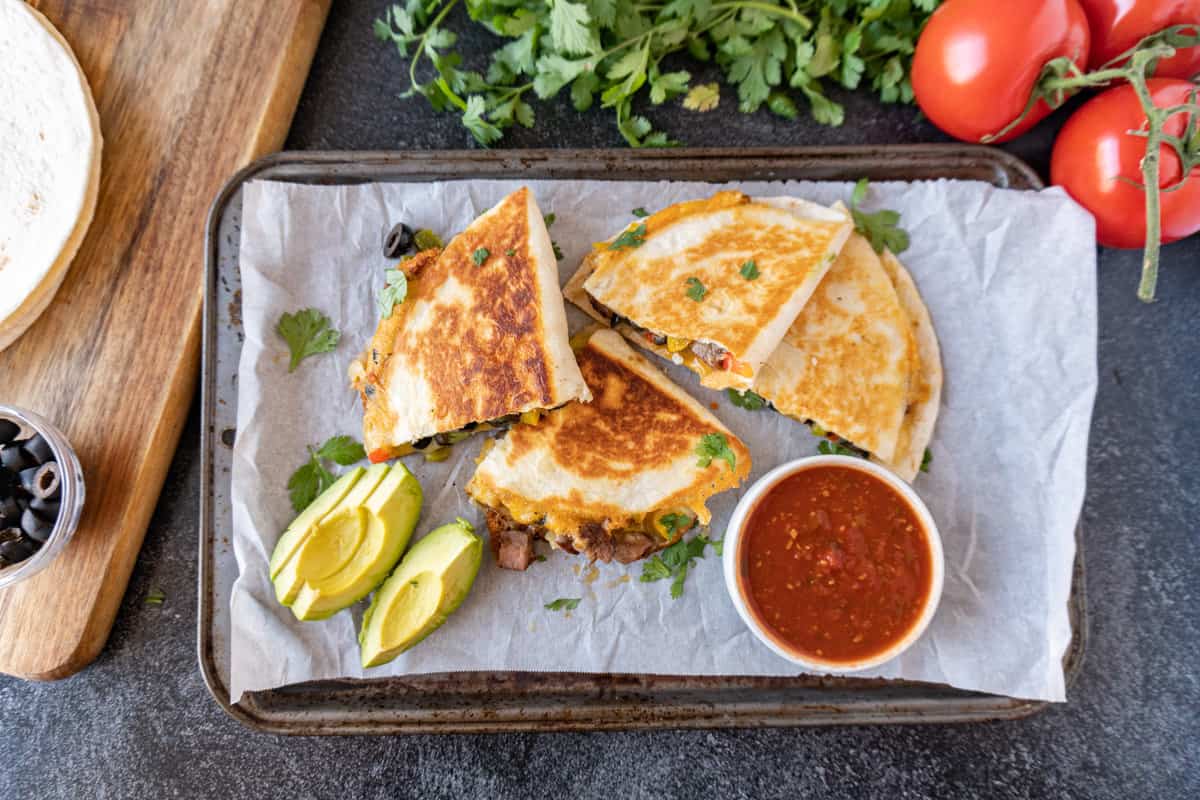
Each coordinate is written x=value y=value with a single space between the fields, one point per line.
x=835 y=563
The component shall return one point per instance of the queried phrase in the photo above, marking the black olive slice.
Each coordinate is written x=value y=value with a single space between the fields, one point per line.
x=39 y=448
x=8 y=430
x=46 y=508
x=14 y=458
x=17 y=550
x=398 y=241
x=35 y=527
x=42 y=481
x=421 y=444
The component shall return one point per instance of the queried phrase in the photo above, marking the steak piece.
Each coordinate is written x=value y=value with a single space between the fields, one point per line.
x=597 y=542
x=632 y=546
x=512 y=543
x=709 y=353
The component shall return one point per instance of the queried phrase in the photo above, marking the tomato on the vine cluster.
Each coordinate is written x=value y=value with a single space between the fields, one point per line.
x=978 y=61
x=1118 y=25
x=1098 y=161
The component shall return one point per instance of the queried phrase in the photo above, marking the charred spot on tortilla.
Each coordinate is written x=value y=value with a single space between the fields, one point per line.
x=598 y=478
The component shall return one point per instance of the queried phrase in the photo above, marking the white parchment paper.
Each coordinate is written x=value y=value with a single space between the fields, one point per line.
x=1009 y=278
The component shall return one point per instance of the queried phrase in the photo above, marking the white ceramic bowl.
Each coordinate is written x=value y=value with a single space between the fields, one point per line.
x=732 y=555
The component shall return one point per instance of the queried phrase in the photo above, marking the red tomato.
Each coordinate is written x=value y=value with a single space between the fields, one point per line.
x=1094 y=152
x=977 y=61
x=1118 y=25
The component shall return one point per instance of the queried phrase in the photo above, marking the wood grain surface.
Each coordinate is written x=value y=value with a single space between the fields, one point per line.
x=187 y=92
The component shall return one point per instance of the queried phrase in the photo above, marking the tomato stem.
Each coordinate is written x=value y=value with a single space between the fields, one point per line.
x=1156 y=119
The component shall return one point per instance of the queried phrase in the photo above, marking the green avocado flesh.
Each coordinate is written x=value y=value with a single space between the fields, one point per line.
x=340 y=555
x=430 y=583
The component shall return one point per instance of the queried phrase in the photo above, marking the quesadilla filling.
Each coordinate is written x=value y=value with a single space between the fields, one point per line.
x=702 y=357
x=439 y=443
x=512 y=541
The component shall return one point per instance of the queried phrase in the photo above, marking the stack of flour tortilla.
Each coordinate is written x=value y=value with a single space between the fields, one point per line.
x=49 y=164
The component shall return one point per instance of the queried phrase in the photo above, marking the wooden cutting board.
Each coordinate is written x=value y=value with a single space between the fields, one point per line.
x=188 y=92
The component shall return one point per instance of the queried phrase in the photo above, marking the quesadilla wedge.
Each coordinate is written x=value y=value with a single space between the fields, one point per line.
x=480 y=339
x=712 y=284
x=614 y=479
x=860 y=364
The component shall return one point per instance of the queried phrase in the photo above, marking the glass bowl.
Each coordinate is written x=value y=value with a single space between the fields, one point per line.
x=71 y=497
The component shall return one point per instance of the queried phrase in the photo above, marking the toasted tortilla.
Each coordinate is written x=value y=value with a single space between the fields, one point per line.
x=710 y=240
x=848 y=359
x=472 y=342
x=49 y=164
x=619 y=461
x=925 y=390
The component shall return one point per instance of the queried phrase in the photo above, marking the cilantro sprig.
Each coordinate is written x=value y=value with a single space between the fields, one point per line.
x=747 y=399
x=773 y=52
x=828 y=448
x=675 y=561
x=307 y=333
x=393 y=293
x=695 y=289
x=563 y=604
x=749 y=270
x=882 y=228
x=715 y=445
x=632 y=237
x=312 y=478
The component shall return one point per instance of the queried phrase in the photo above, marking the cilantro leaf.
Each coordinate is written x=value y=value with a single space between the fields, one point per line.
x=715 y=445
x=749 y=270
x=484 y=132
x=696 y=289
x=307 y=333
x=307 y=483
x=343 y=450
x=828 y=448
x=569 y=27
x=882 y=228
x=747 y=399
x=640 y=212
x=703 y=97
x=480 y=256
x=676 y=522
x=311 y=479
x=394 y=292
x=631 y=237
x=674 y=562
x=926 y=460
x=549 y=219
x=563 y=604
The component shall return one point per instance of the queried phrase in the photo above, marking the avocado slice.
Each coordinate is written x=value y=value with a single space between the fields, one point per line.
x=285 y=548
x=391 y=515
x=327 y=544
x=430 y=583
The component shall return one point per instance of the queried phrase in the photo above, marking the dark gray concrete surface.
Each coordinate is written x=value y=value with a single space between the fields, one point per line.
x=140 y=723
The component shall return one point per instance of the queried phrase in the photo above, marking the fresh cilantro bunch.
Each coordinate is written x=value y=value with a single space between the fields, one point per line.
x=773 y=52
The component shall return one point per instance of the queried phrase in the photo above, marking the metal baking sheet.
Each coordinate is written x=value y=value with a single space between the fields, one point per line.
x=510 y=701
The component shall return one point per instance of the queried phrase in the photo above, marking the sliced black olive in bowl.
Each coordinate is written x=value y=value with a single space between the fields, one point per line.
x=14 y=458
x=8 y=430
x=17 y=550
x=45 y=508
x=9 y=481
x=35 y=527
x=42 y=481
x=39 y=448
x=398 y=241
